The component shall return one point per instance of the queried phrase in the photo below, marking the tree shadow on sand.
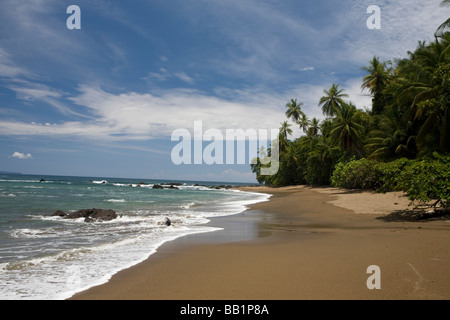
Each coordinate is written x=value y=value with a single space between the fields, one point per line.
x=416 y=216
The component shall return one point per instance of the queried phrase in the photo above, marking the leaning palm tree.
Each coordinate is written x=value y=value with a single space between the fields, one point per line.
x=332 y=100
x=446 y=24
x=294 y=110
x=375 y=81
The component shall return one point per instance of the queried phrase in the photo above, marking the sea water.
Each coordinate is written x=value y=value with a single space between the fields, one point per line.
x=49 y=257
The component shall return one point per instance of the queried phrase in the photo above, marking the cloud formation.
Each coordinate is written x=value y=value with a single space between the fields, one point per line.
x=22 y=156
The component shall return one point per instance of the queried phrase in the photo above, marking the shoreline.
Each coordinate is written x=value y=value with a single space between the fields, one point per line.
x=302 y=244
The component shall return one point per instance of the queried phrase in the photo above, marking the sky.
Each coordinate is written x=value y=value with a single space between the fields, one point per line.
x=105 y=99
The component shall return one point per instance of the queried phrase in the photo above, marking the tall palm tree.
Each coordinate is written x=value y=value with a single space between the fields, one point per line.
x=285 y=130
x=332 y=100
x=375 y=81
x=346 y=130
x=294 y=110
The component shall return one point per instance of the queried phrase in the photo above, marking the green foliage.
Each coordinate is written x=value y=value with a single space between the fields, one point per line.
x=392 y=146
x=358 y=174
x=426 y=181
x=391 y=173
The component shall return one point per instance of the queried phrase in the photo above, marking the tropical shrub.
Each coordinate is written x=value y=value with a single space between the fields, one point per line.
x=426 y=182
x=358 y=174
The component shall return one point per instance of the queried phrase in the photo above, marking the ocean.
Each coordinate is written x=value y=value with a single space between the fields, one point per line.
x=45 y=257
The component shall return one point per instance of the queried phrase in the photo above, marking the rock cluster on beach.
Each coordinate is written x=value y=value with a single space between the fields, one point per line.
x=172 y=185
x=89 y=215
x=175 y=185
x=214 y=187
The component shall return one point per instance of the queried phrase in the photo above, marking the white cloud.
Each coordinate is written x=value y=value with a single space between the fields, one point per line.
x=21 y=156
x=306 y=69
x=184 y=77
x=164 y=75
x=403 y=24
x=8 y=68
x=36 y=92
x=144 y=116
x=134 y=116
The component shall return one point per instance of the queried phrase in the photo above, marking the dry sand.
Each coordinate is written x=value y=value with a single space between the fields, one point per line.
x=305 y=244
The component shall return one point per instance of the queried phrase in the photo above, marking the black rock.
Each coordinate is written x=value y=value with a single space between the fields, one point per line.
x=59 y=213
x=103 y=215
x=157 y=186
x=168 y=222
x=92 y=215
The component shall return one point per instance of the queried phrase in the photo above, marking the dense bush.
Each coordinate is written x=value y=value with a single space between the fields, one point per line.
x=391 y=173
x=358 y=174
x=426 y=181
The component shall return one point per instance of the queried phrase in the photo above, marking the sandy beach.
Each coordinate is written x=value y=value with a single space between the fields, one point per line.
x=304 y=244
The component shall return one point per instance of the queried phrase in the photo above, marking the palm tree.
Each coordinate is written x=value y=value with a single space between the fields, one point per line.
x=314 y=128
x=446 y=24
x=304 y=123
x=375 y=82
x=346 y=130
x=332 y=100
x=292 y=156
x=285 y=130
x=294 y=110
x=257 y=164
x=389 y=140
x=425 y=89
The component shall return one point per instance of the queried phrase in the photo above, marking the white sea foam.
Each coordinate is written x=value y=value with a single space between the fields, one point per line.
x=8 y=195
x=100 y=182
x=71 y=255
x=48 y=277
x=189 y=205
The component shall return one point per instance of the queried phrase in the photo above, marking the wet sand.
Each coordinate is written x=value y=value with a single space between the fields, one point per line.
x=303 y=244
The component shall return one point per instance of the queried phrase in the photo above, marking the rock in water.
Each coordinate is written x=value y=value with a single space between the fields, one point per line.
x=103 y=215
x=168 y=222
x=59 y=213
x=92 y=215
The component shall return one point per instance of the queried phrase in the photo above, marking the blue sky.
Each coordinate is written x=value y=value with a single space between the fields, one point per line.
x=104 y=100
